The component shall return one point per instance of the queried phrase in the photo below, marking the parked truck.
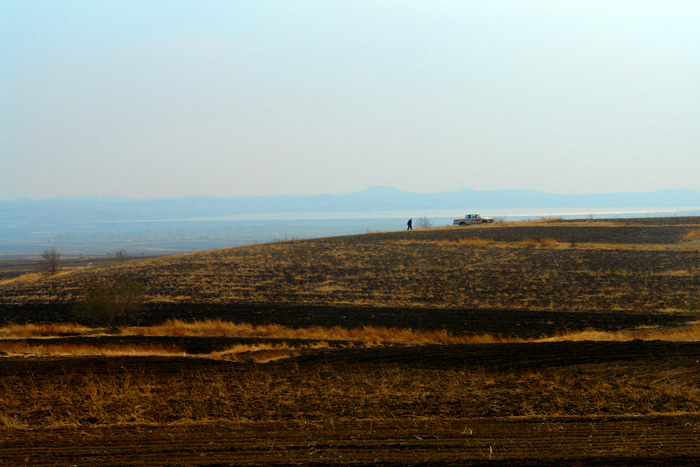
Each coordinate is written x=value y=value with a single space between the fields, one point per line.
x=472 y=219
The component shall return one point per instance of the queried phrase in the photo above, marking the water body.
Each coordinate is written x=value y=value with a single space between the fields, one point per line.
x=157 y=236
x=448 y=215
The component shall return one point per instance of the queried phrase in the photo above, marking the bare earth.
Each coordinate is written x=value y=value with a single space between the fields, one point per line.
x=646 y=441
x=570 y=403
x=521 y=404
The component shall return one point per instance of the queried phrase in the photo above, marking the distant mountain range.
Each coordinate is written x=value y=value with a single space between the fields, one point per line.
x=94 y=209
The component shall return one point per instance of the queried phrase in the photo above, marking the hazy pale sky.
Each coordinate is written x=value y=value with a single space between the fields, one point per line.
x=175 y=98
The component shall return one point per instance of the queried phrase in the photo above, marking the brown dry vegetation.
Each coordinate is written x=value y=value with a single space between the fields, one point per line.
x=15 y=336
x=20 y=348
x=18 y=331
x=542 y=342
x=692 y=236
x=318 y=392
x=341 y=404
x=610 y=268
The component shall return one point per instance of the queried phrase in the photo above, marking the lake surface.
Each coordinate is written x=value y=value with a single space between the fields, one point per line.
x=448 y=215
x=157 y=236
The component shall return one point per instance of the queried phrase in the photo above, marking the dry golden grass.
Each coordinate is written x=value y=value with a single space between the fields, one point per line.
x=22 y=331
x=21 y=348
x=129 y=396
x=317 y=337
x=552 y=243
x=264 y=352
x=539 y=243
x=475 y=241
x=258 y=353
x=278 y=351
x=692 y=236
x=689 y=333
x=368 y=335
x=30 y=276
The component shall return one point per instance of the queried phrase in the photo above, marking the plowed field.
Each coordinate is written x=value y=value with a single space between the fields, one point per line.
x=643 y=441
x=592 y=267
x=613 y=402
x=530 y=404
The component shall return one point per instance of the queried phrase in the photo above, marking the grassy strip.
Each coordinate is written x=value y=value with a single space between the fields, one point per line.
x=690 y=333
x=23 y=331
x=24 y=349
x=367 y=335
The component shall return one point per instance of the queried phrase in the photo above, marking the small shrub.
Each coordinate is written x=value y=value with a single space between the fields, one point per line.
x=51 y=261
x=424 y=223
x=111 y=302
x=120 y=255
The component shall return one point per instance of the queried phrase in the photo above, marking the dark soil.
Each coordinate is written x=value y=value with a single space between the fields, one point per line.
x=390 y=430
x=645 y=441
x=638 y=233
x=552 y=404
x=496 y=357
x=425 y=269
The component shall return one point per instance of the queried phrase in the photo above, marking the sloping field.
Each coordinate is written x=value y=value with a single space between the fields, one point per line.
x=566 y=266
x=539 y=343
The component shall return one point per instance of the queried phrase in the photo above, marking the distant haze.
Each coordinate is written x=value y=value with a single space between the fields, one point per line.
x=22 y=213
x=91 y=225
x=229 y=98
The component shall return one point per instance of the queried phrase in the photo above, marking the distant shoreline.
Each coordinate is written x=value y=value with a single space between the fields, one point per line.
x=163 y=237
x=508 y=214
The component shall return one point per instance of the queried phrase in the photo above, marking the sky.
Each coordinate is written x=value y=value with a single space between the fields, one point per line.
x=227 y=98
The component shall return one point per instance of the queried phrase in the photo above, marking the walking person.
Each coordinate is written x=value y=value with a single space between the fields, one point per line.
x=410 y=224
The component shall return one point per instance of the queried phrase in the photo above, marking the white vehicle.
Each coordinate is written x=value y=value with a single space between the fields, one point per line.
x=472 y=219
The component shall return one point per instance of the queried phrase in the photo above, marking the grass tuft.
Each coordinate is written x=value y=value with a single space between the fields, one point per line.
x=692 y=236
x=539 y=243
